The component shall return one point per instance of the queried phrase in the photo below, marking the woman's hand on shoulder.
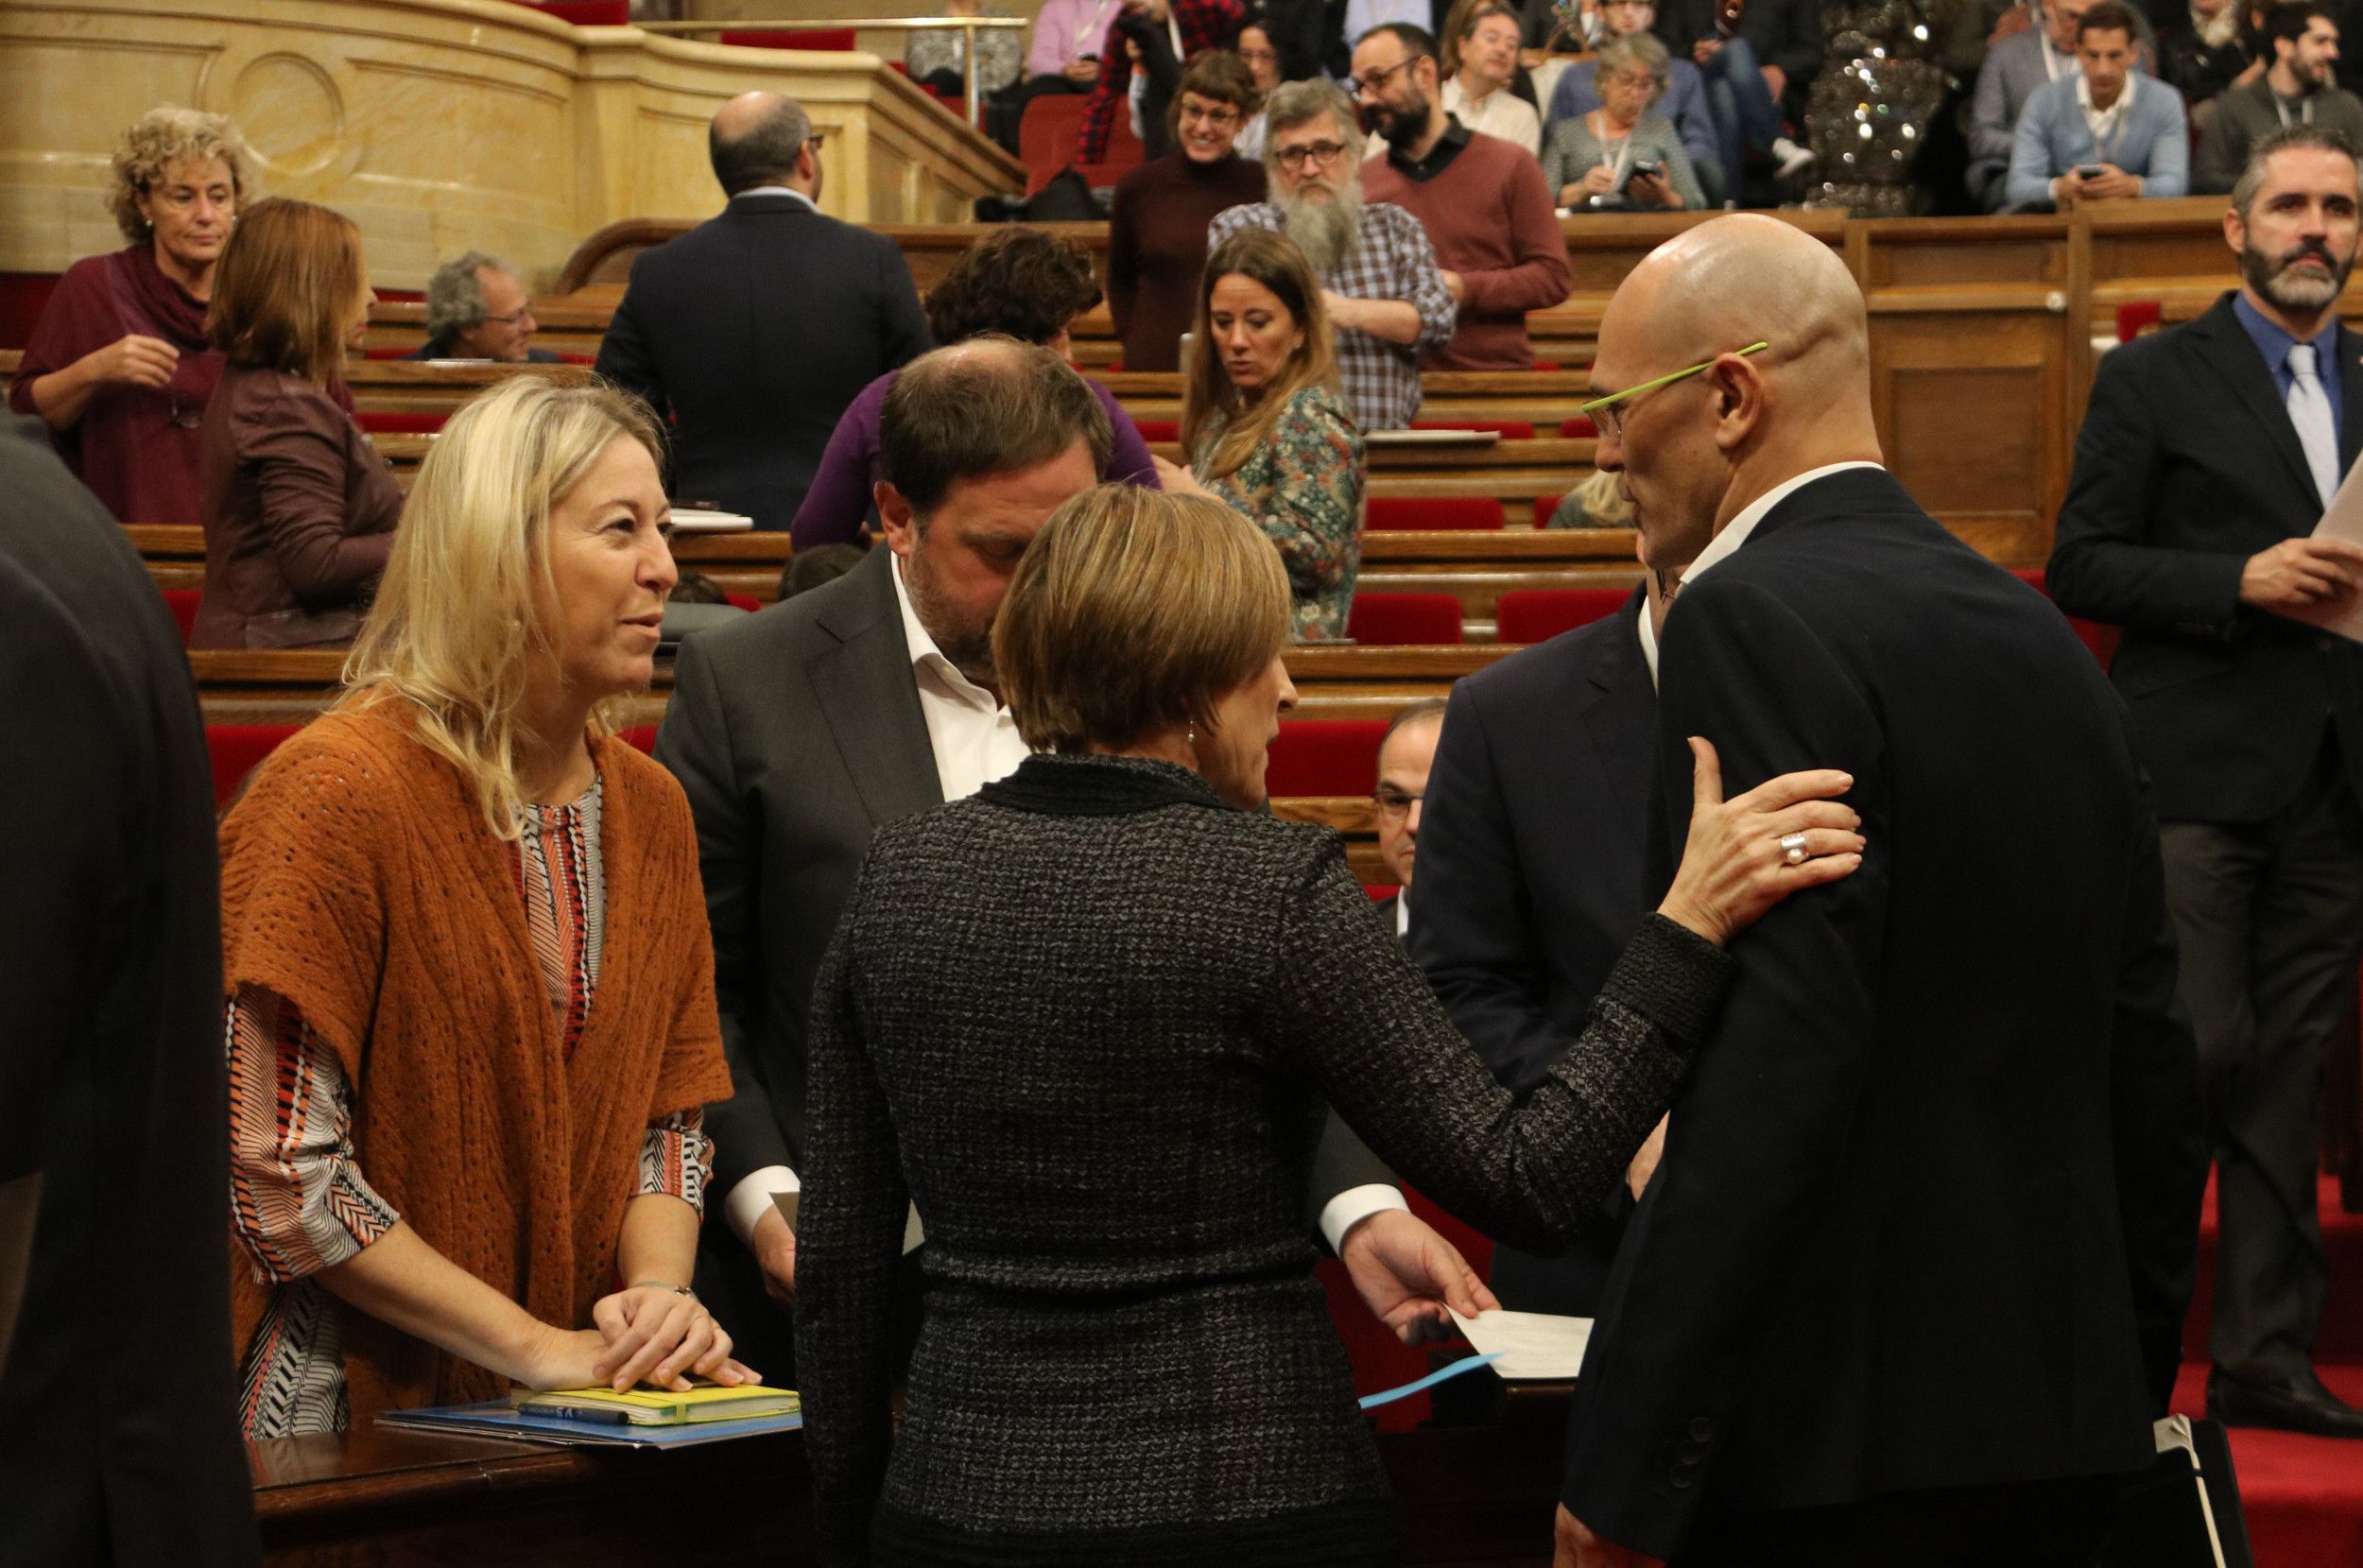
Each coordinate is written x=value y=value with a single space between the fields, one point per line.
x=656 y=1334
x=1746 y=854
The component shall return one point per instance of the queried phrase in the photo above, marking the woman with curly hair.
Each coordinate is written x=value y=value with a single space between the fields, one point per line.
x=1020 y=282
x=118 y=367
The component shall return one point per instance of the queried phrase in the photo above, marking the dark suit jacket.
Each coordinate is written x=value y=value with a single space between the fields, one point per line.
x=118 y=1425
x=754 y=329
x=2186 y=466
x=1535 y=864
x=797 y=734
x=1929 y=1206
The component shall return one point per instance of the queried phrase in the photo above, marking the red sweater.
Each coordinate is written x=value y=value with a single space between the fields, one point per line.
x=1488 y=215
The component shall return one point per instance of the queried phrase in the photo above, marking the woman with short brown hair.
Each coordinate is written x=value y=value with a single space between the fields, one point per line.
x=298 y=508
x=119 y=366
x=1106 y=1108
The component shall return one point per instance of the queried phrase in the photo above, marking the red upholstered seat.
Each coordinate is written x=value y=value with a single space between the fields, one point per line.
x=1045 y=137
x=1545 y=365
x=2136 y=317
x=2098 y=636
x=1400 y=619
x=1533 y=615
x=747 y=602
x=236 y=748
x=1543 y=506
x=1325 y=756
x=384 y=354
x=400 y=425
x=1576 y=427
x=1390 y=512
x=1508 y=430
x=639 y=737
x=182 y=603
x=587 y=13
x=1159 y=430
x=830 y=39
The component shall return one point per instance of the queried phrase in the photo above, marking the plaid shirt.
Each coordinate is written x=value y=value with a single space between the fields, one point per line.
x=1203 y=24
x=1392 y=260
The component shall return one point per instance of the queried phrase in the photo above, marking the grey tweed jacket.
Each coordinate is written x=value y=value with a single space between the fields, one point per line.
x=1105 y=1109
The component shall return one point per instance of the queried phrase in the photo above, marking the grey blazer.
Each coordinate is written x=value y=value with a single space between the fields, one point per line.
x=797 y=734
x=2246 y=115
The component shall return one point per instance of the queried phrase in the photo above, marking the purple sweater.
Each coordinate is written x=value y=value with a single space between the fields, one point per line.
x=838 y=502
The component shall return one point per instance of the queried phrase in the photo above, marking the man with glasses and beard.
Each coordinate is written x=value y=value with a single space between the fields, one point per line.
x=1386 y=297
x=2208 y=454
x=1482 y=201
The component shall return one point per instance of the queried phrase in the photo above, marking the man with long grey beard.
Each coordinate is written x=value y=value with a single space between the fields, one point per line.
x=2207 y=455
x=1386 y=297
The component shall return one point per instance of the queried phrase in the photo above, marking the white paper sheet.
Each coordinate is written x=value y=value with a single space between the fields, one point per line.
x=2343 y=519
x=1537 y=1345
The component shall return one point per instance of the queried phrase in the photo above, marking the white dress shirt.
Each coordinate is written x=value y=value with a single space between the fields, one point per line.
x=975 y=742
x=1501 y=113
x=781 y=190
x=2107 y=125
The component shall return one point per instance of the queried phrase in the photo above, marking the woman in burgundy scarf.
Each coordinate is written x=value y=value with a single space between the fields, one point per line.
x=118 y=367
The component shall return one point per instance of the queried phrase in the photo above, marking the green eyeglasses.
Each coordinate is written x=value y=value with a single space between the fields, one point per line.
x=1606 y=413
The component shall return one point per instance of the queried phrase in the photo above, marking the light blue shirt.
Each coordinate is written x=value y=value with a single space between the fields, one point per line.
x=2152 y=139
x=1362 y=15
x=2275 y=345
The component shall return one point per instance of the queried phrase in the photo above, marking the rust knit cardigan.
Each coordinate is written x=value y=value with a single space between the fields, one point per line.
x=361 y=883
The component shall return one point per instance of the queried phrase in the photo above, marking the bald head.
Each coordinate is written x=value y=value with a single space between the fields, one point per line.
x=1744 y=279
x=758 y=139
x=1695 y=452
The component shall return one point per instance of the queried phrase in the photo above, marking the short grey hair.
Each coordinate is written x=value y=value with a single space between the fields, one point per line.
x=455 y=296
x=2321 y=138
x=1294 y=103
x=1628 y=50
x=765 y=154
x=1426 y=707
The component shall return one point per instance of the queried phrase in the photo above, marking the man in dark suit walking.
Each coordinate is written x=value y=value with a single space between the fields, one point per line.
x=2207 y=457
x=799 y=731
x=756 y=328
x=1535 y=864
x=1908 y=1283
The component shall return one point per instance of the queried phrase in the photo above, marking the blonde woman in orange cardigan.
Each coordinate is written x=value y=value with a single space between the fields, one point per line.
x=471 y=1014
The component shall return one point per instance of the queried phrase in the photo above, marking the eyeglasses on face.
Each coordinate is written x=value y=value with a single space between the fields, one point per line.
x=1376 y=81
x=816 y=139
x=1259 y=56
x=1221 y=117
x=1608 y=412
x=524 y=313
x=1319 y=154
x=1394 y=804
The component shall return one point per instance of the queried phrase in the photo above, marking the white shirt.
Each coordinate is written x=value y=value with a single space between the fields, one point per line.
x=1501 y=113
x=781 y=190
x=2107 y=125
x=975 y=742
x=1648 y=644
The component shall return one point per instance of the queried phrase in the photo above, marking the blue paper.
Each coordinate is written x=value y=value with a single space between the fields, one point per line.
x=497 y=1418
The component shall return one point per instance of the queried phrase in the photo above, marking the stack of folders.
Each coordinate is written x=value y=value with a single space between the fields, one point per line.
x=644 y=1418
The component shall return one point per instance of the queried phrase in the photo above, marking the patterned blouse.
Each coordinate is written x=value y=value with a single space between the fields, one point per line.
x=299 y=1202
x=1305 y=486
x=999 y=52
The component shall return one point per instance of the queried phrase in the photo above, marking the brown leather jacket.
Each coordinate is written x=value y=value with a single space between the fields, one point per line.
x=298 y=513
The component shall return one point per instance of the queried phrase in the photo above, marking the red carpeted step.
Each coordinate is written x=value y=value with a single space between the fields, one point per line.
x=2342 y=1317
x=2304 y=1496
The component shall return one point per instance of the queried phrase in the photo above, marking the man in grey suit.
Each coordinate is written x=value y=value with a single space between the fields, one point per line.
x=799 y=731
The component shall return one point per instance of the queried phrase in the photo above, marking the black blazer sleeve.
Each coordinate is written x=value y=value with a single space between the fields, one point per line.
x=2104 y=565
x=1796 y=1036
x=1475 y=935
x=906 y=334
x=694 y=744
x=2160 y=1156
x=625 y=357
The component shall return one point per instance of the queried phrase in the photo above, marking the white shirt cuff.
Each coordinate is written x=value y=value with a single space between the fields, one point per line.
x=1350 y=1208
x=753 y=1195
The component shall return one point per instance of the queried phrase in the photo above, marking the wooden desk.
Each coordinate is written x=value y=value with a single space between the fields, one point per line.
x=1467 y=1495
